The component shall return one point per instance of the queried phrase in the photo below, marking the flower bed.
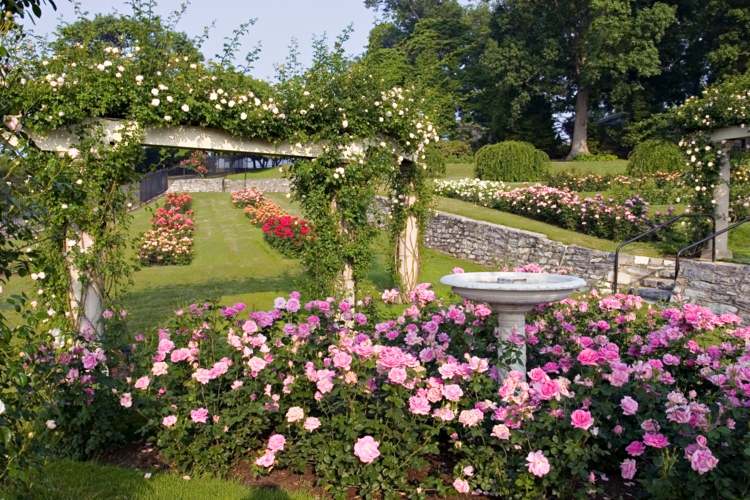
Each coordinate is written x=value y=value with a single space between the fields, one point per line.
x=170 y=241
x=619 y=397
x=597 y=216
x=658 y=187
x=287 y=233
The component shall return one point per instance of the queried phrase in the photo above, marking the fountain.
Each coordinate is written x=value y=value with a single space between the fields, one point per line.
x=511 y=296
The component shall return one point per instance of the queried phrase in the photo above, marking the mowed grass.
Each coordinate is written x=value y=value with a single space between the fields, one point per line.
x=69 y=480
x=232 y=263
x=556 y=233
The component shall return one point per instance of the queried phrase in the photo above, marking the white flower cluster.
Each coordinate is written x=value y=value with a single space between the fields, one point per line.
x=476 y=190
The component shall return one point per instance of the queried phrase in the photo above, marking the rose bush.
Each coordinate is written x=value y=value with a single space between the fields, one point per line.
x=287 y=233
x=596 y=215
x=619 y=396
x=171 y=239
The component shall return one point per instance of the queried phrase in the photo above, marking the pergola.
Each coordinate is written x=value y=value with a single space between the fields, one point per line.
x=724 y=138
x=87 y=299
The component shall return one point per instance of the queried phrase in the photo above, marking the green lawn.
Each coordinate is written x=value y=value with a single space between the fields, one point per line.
x=556 y=233
x=233 y=263
x=266 y=173
x=69 y=480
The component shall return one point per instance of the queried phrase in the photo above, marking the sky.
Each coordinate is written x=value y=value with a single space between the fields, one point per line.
x=278 y=22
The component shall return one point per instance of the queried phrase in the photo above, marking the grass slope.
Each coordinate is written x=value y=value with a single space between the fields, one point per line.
x=69 y=480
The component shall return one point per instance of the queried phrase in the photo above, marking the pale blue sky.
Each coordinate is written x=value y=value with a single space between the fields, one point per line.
x=278 y=22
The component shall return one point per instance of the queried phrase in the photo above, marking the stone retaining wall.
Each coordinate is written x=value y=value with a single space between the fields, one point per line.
x=218 y=185
x=721 y=286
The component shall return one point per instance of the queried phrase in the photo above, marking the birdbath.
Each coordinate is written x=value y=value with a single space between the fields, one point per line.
x=511 y=296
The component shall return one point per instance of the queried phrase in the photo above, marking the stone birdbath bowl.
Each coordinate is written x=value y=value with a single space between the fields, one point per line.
x=511 y=296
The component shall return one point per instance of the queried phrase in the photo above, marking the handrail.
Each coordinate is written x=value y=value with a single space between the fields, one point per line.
x=658 y=228
x=711 y=236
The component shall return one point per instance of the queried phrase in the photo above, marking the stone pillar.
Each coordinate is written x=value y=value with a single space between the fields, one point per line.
x=85 y=296
x=407 y=251
x=512 y=324
x=347 y=285
x=721 y=208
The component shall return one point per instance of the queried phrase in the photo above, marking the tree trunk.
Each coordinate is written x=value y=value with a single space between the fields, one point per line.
x=579 y=144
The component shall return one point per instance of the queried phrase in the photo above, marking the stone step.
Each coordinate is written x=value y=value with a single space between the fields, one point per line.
x=654 y=294
x=661 y=284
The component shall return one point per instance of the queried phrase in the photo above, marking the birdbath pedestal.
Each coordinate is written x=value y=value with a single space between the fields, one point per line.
x=511 y=296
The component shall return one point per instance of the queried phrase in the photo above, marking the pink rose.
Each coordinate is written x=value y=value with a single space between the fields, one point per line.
x=629 y=405
x=126 y=400
x=419 y=405
x=311 y=424
x=397 y=375
x=142 y=383
x=199 y=416
x=501 y=431
x=461 y=485
x=159 y=368
x=581 y=419
x=295 y=414
x=537 y=463
x=537 y=375
x=256 y=364
x=655 y=440
x=276 y=443
x=635 y=448
x=342 y=360
x=452 y=392
x=180 y=355
x=169 y=421
x=588 y=357
x=202 y=375
x=703 y=461
x=628 y=468
x=366 y=449
x=266 y=460
x=470 y=418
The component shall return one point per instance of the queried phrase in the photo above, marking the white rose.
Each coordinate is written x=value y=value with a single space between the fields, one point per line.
x=2 y=407
x=185 y=108
x=51 y=424
x=155 y=102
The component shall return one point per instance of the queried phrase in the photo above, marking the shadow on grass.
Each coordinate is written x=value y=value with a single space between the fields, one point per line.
x=151 y=305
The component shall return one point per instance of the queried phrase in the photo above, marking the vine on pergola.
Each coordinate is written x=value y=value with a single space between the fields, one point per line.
x=334 y=104
x=710 y=123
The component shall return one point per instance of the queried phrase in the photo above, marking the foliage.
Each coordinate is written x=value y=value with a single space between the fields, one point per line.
x=196 y=162
x=596 y=157
x=655 y=156
x=656 y=187
x=510 y=161
x=411 y=404
x=455 y=151
x=595 y=216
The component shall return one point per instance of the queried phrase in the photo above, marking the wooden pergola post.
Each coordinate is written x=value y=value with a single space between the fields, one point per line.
x=407 y=249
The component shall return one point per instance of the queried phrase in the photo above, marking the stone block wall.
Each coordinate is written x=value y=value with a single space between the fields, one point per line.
x=218 y=185
x=721 y=286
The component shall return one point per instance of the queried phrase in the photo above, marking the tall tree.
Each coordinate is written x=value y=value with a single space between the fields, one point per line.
x=579 y=52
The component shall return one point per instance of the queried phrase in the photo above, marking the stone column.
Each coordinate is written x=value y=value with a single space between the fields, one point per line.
x=512 y=324
x=407 y=251
x=721 y=208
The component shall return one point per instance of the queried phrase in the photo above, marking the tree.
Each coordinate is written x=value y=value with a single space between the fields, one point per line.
x=578 y=52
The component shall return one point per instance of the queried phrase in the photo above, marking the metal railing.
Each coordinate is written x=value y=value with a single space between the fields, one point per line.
x=659 y=228
x=153 y=184
x=697 y=243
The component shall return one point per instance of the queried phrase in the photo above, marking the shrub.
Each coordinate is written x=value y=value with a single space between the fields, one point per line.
x=596 y=157
x=455 y=151
x=614 y=388
x=655 y=156
x=510 y=161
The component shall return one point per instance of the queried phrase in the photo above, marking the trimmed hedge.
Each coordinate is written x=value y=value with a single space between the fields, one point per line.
x=655 y=156
x=510 y=161
x=455 y=150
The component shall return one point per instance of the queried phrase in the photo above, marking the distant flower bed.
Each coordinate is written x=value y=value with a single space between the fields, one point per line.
x=596 y=216
x=170 y=241
x=287 y=233
x=620 y=398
